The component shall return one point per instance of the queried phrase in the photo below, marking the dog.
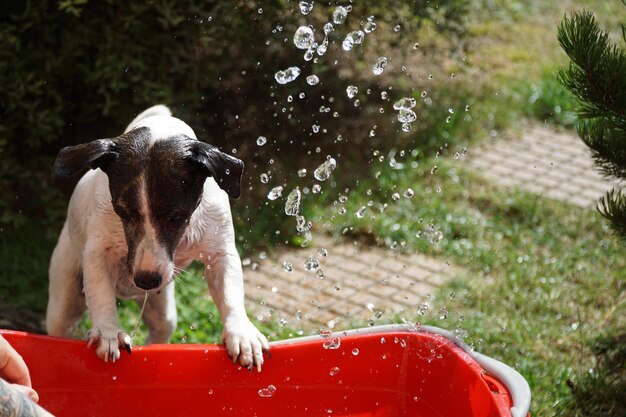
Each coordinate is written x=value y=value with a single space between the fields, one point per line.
x=154 y=200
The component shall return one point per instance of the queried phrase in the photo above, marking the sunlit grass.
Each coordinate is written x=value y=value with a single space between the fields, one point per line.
x=543 y=275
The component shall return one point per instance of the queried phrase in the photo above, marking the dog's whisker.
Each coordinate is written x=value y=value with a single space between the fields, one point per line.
x=145 y=300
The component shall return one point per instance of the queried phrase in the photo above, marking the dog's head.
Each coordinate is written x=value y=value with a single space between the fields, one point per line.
x=155 y=187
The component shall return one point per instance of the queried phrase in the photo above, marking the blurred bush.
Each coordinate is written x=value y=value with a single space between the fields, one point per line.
x=75 y=70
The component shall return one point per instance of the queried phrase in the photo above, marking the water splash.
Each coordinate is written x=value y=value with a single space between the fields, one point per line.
x=339 y=15
x=406 y=116
x=331 y=343
x=323 y=172
x=311 y=264
x=405 y=103
x=370 y=25
x=306 y=7
x=353 y=38
x=292 y=205
x=380 y=65
x=267 y=392
x=312 y=79
x=351 y=91
x=304 y=37
x=275 y=193
x=287 y=76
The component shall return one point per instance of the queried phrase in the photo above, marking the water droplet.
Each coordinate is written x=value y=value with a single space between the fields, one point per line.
x=395 y=196
x=287 y=76
x=406 y=116
x=323 y=172
x=443 y=313
x=332 y=343
x=328 y=27
x=312 y=79
x=261 y=140
x=114 y=378
x=380 y=65
x=333 y=371
x=409 y=193
x=351 y=90
x=316 y=188
x=301 y=95
x=315 y=128
x=265 y=178
x=275 y=193
x=267 y=392
x=292 y=205
x=306 y=7
x=432 y=234
x=434 y=169
x=397 y=28
x=355 y=352
x=339 y=15
x=382 y=340
x=405 y=103
x=422 y=308
x=320 y=273
x=303 y=38
x=322 y=252
x=311 y=264
x=351 y=39
x=210 y=392
x=383 y=95
x=360 y=213
x=287 y=266
x=406 y=127
x=369 y=26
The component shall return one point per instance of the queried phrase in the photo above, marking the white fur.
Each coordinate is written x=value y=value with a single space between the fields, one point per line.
x=93 y=241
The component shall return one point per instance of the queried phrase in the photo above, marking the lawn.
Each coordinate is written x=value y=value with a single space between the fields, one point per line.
x=545 y=282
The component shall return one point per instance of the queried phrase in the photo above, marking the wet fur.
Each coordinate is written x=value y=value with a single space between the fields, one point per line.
x=154 y=200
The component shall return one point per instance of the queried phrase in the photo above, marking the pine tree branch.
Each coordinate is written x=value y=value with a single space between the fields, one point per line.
x=613 y=207
x=596 y=72
x=606 y=142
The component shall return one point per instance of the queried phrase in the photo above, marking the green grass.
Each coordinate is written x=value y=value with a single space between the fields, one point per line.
x=544 y=277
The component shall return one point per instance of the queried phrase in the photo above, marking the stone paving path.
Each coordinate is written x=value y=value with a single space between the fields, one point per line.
x=553 y=164
x=367 y=282
x=358 y=282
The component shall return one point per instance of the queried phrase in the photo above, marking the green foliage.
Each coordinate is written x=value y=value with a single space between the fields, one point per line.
x=547 y=100
x=77 y=70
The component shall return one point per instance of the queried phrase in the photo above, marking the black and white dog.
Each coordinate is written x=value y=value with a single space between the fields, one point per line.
x=154 y=200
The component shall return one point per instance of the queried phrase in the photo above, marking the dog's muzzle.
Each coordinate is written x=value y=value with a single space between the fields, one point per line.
x=147 y=280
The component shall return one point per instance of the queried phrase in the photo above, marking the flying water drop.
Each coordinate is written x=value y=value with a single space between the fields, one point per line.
x=303 y=38
x=306 y=7
x=380 y=65
x=275 y=193
x=292 y=205
x=323 y=172
x=312 y=79
x=351 y=90
x=339 y=15
x=287 y=76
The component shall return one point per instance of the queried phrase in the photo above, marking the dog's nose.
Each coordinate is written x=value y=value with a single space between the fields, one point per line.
x=147 y=280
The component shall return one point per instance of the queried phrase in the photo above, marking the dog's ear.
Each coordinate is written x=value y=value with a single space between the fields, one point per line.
x=225 y=169
x=73 y=159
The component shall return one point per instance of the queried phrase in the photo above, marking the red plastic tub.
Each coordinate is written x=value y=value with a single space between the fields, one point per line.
x=379 y=372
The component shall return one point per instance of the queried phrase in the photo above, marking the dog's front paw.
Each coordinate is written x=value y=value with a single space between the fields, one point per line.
x=244 y=343
x=108 y=342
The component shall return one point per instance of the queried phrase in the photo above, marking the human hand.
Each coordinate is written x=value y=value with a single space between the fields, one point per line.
x=14 y=370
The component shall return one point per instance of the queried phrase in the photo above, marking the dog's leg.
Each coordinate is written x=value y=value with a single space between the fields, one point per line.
x=101 y=302
x=244 y=343
x=66 y=303
x=160 y=315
